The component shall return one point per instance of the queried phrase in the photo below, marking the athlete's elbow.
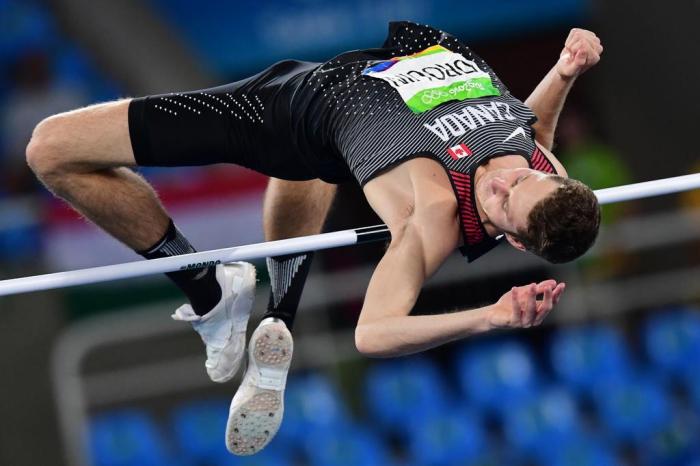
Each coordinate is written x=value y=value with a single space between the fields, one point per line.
x=368 y=342
x=363 y=340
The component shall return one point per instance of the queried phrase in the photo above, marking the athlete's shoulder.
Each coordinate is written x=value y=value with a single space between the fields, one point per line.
x=405 y=33
x=403 y=38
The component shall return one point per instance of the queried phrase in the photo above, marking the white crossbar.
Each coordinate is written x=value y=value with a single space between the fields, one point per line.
x=290 y=246
x=648 y=189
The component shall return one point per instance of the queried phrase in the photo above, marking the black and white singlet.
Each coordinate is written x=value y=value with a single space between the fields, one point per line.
x=370 y=126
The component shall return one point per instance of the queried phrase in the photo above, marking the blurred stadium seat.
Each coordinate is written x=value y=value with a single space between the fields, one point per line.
x=692 y=386
x=268 y=457
x=346 y=446
x=23 y=25
x=446 y=437
x=582 y=451
x=310 y=403
x=675 y=443
x=402 y=392
x=633 y=408
x=672 y=340
x=126 y=438
x=584 y=357
x=199 y=428
x=538 y=426
x=498 y=374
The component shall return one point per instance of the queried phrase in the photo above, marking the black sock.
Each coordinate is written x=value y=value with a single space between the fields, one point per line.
x=199 y=285
x=287 y=277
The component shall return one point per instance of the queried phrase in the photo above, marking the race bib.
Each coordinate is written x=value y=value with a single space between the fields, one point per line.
x=436 y=75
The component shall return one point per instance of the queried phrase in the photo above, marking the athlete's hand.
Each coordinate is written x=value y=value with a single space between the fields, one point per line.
x=521 y=308
x=581 y=51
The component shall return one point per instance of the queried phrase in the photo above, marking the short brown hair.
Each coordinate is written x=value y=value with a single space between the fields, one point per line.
x=564 y=225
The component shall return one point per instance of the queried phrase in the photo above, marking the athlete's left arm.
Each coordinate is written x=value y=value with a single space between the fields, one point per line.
x=581 y=51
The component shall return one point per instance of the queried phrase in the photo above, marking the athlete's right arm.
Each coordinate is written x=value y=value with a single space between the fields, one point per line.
x=386 y=330
x=384 y=327
x=418 y=205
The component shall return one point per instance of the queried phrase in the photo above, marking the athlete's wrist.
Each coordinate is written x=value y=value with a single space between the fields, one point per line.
x=566 y=79
x=484 y=319
x=564 y=76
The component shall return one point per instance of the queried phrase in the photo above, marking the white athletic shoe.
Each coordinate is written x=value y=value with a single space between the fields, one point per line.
x=223 y=328
x=258 y=405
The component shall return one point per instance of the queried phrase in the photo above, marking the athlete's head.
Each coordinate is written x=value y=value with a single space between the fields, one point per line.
x=554 y=217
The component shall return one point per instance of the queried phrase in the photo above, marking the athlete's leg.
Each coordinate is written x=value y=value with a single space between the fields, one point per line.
x=290 y=209
x=81 y=156
x=78 y=155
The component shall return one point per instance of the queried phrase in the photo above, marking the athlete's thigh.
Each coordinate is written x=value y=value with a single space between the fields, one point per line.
x=95 y=136
x=247 y=123
x=296 y=208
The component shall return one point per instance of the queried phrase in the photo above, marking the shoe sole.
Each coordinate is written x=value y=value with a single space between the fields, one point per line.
x=245 y=298
x=255 y=421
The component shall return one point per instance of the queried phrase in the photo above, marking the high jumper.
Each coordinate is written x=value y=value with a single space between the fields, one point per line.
x=445 y=155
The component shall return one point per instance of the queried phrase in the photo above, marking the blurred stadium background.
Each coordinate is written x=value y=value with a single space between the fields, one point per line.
x=99 y=375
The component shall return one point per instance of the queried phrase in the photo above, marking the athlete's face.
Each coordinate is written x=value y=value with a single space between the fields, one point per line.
x=508 y=195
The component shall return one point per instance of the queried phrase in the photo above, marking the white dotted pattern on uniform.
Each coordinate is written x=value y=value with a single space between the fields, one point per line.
x=250 y=108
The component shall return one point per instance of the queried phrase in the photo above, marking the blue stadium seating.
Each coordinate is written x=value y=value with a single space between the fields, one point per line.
x=672 y=340
x=447 y=437
x=692 y=385
x=24 y=24
x=270 y=456
x=583 y=357
x=126 y=438
x=346 y=446
x=497 y=374
x=22 y=241
x=581 y=451
x=673 y=444
x=311 y=402
x=632 y=408
x=403 y=391
x=536 y=427
x=199 y=429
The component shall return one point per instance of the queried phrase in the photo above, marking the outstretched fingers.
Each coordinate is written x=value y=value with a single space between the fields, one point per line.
x=550 y=298
x=545 y=306
x=529 y=309
x=516 y=315
x=556 y=294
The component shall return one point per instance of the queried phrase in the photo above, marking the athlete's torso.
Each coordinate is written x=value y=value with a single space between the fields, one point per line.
x=376 y=124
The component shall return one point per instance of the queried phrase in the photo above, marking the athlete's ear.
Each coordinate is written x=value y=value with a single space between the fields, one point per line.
x=515 y=242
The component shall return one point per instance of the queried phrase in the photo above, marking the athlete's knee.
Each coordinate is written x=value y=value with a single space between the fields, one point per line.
x=47 y=152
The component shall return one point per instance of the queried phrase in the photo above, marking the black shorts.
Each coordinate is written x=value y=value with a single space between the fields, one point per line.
x=248 y=123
